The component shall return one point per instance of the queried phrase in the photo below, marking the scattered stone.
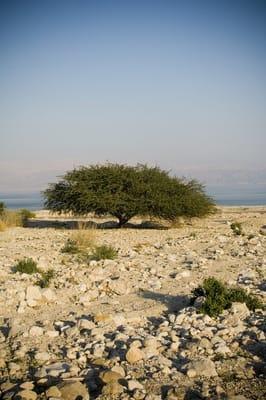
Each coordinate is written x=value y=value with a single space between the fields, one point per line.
x=240 y=310
x=132 y=385
x=134 y=355
x=26 y=395
x=36 y=331
x=27 y=385
x=42 y=356
x=53 y=391
x=122 y=343
x=110 y=376
x=201 y=367
x=33 y=295
x=74 y=391
x=48 y=295
x=112 y=389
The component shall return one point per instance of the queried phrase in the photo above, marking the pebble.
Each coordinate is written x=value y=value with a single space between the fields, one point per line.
x=26 y=395
x=134 y=355
x=74 y=391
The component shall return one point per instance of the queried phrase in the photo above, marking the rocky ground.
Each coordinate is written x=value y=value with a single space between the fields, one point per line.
x=124 y=328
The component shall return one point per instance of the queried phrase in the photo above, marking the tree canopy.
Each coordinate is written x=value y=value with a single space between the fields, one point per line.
x=126 y=191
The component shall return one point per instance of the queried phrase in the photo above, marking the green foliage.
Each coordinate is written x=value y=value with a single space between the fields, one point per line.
x=218 y=297
x=45 y=279
x=103 y=253
x=237 y=228
x=25 y=215
x=70 y=247
x=29 y=266
x=125 y=191
x=2 y=207
x=251 y=236
x=26 y=266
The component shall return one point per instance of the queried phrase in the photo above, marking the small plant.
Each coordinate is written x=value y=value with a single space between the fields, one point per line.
x=45 y=279
x=10 y=218
x=237 y=228
x=218 y=297
x=2 y=207
x=193 y=235
x=103 y=252
x=80 y=240
x=70 y=247
x=251 y=236
x=241 y=296
x=84 y=238
x=25 y=215
x=2 y=226
x=26 y=266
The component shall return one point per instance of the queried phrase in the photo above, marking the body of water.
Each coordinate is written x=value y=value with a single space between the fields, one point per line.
x=14 y=201
x=245 y=196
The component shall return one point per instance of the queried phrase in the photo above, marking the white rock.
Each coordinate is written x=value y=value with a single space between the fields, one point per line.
x=36 y=331
x=82 y=287
x=183 y=274
x=86 y=324
x=52 y=334
x=132 y=385
x=48 y=295
x=119 y=286
x=240 y=310
x=42 y=356
x=202 y=367
x=89 y=297
x=33 y=295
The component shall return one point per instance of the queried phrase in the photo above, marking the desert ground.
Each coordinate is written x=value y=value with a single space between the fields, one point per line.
x=125 y=328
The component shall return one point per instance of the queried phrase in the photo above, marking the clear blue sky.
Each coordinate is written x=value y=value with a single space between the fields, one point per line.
x=178 y=83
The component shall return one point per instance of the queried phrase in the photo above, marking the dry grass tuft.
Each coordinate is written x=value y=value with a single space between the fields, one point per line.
x=10 y=218
x=2 y=226
x=83 y=237
x=176 y=223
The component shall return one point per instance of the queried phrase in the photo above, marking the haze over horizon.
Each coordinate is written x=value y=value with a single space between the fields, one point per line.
x=178 y=84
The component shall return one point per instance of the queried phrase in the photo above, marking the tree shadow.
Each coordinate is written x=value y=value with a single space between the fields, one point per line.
x=181 y=392
x=257 y=347
x=174 y=303
x=262 y=286
x=75 y=224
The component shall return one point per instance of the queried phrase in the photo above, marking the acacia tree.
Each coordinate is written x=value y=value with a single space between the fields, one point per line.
x=126 y=191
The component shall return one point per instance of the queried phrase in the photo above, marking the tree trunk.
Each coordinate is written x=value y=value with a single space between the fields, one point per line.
x=122 y=221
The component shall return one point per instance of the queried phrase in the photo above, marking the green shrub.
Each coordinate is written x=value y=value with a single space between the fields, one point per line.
x=218 y=297
x=26 y=266
x=126 y=191
x=103 y=253
x=237 y=228
x=25 y=215
x=2 y=207
x=70 y=247
x=45 y=279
